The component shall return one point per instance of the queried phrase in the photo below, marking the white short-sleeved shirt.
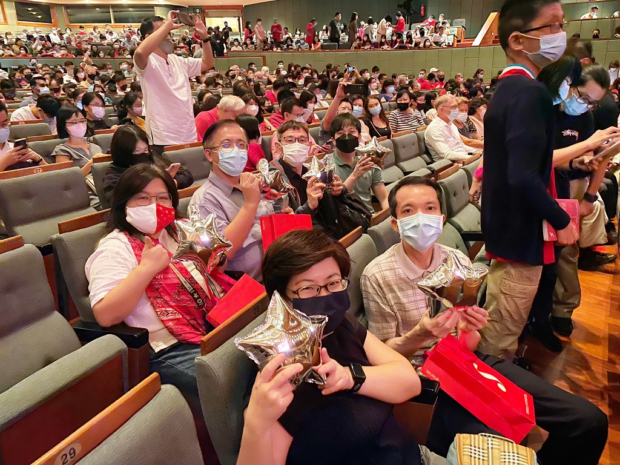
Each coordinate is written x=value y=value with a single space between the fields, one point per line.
x=112 y=262
x=25 y=114
x=168 y=98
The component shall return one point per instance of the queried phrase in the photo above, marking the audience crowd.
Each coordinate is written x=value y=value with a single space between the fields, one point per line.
x=533 y=130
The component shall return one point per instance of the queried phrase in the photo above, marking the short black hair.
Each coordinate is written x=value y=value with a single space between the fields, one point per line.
x=249 y=124
x=148 y=26
x=343 y=120
x=597 y=74
x=124 y=143
x=411 y=181
x=210 y=132
x=278 y=84
x=49 y=105
x=552 y=75
x=285 y=95
x=35 y=78
x=287 y=105
x=375 y=69
x=517 y=15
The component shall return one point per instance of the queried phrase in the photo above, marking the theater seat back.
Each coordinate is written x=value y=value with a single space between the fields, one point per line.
x=407 y=153
x=20 y=131
x=266 y=145
x=99 y=170
x=104 y=141
x=383 y=236
x=194 y=160
x=391 y=173
x=362 y=252
x=32 y=333
x=45 y=148
x=461 y=214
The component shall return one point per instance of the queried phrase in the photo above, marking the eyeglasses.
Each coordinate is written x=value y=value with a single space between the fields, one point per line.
x=143 y=200
x=586 y=101
x=309 y=292
x=553 y=27
x=292 y=140
x=226 y=145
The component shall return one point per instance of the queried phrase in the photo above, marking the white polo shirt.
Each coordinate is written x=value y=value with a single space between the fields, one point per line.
x=444 y=141
x=168 y=98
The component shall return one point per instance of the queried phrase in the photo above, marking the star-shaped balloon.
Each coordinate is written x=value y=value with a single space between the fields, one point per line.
x=324 y=172
x=375 y=151
x=451 y=283
x=274 y=183
x=290 y=332
x=200 y=236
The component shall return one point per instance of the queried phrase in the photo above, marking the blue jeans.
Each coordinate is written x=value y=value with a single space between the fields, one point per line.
x=176 y=365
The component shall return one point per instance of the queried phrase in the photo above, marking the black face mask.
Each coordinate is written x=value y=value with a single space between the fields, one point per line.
x=92 y=76
x=334 y=306
x=124 y=88
x=441 y=78
x=420 y=106
x=402 y=106
x=269 y=109
x=141 y=158
x=347 y=143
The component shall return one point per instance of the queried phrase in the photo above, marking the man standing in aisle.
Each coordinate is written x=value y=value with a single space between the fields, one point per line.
x=334 y=28
x=519 y=188
x=165 y=81
x=276 y=31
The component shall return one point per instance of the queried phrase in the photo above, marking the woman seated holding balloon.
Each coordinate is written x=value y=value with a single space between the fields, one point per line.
x=344 y=415
x=146 y=272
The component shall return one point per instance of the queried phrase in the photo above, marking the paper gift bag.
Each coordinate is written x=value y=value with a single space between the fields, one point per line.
x=273 y=226
x=484 y=392
x=245 y=291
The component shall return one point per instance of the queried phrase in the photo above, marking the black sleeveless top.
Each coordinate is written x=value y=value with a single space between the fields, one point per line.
x=376 y=131
x=345 y=427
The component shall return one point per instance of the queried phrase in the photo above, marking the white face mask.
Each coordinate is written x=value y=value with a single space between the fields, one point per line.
x=252 y=110
x=98 y=112
x=310 y=106
x=462 y=117
x=150 y=219
x=300 y=119
x=552 y=47
x=77 y=130
x=453 y=114
x=421 y=230
x=4 y=134
x=295 y=154
x=482 y=112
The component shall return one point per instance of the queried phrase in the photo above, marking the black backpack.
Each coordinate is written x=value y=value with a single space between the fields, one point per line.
x=343 y=213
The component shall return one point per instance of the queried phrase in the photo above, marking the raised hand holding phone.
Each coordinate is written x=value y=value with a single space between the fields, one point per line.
x=173 y=169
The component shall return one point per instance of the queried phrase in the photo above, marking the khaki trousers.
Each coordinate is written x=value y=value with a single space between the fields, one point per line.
x=567 y=292
x=511 y=288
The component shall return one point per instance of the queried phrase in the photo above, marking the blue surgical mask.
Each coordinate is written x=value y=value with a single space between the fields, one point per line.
x=358 y=111
x=574 y=107
x=375 y=111
x=79 y=105
x=563 y=93
x=421 y=230
x=390 y=90
x=233 y=161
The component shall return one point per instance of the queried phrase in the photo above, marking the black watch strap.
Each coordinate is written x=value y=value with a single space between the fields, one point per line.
x=358 y=376
x=590 y=197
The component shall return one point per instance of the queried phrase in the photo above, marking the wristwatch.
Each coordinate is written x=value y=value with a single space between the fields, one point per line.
x=207 y=40
x=358 y=376
x=590 y=197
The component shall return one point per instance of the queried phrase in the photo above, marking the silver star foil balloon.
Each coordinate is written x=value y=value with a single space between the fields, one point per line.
x=200 y=236
x=290 y=332
x=320 y=169
x=375 y=151
x=452 y=283
x=275 y=185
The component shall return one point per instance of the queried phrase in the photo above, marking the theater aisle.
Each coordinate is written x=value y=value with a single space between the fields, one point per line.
x=590 y=365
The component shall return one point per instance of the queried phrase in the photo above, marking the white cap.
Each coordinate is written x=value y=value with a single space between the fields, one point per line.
x=433 y=70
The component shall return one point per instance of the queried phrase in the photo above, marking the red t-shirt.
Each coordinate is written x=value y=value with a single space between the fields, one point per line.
x=424 y=85
x=276 y=32
x=277 y=119
x=204 y=120
x=272 y=97
x=400 y=25
x=255 y=153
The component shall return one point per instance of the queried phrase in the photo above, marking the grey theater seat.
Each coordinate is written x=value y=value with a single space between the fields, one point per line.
x=422 y=147
x=314 y=133
x=32 y=206
x=223 y=377
x=160 y=433
x=362 y=252
x=383 y=236
x=104 y=141
x=461 y=214
x=421 y=173
x=73 y=249
x=266 y=145
x=391 y=172
x=45 y=148
x=320 y=114
x=194 y=160
x=407 y=153
x=470 y=170
x=20 y=131
x=98 y=171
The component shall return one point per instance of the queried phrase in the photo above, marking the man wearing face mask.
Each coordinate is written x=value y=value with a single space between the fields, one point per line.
x=398 y=314
x=360 y=176
x=519 y=190
x=442 y=136
x=38 y=85
x=45 y=109
x=165 y=80
x=228 y=108
x=233 y=196
x=291 y=109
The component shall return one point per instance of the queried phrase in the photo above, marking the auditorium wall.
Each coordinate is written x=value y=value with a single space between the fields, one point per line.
x=450 y=60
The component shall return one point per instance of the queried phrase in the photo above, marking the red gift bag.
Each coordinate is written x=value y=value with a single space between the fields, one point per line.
x=273 y=226
x=237 y=298
x=484 y=392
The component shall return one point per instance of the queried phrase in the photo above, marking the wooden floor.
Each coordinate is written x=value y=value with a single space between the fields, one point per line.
x=589 y=365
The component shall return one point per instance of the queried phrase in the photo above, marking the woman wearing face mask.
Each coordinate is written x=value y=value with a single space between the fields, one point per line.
x=477 y=110
x=93 y=106
x=250 y=125
x=253 y=108
x=383 y=44
x=357 y=110
x=479 y=75
x=373 y=87
x=129 y=147
x=310 y=272
x=133 y=279
x=80 y=78
x=387 y=91
x=404 y=118
x=465 y=126
x=316 y=43
x=130 y=110
x=14 y=158
x=429 y=106
x=378 y=124
x=309 y=101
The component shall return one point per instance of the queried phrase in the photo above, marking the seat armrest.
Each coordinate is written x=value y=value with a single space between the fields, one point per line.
x=429 y=392
x=472 y=236
x=134 y=338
